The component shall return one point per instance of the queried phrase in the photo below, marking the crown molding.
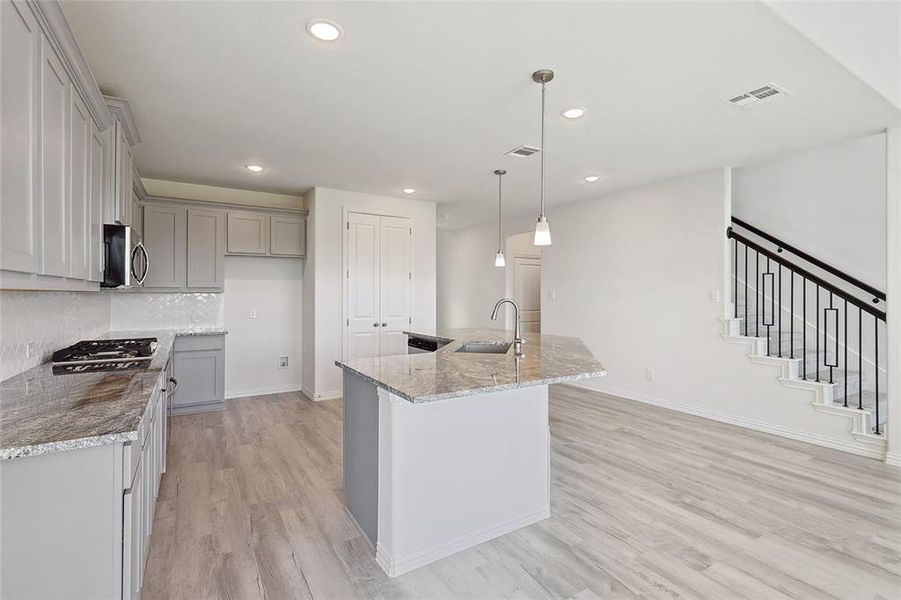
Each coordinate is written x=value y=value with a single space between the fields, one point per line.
x=138 y=184
x=225 y=205
x=53 y=22
x=122 y=111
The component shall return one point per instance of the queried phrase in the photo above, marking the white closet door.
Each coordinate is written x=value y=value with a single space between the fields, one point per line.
x=363 y=324
x=396 y=272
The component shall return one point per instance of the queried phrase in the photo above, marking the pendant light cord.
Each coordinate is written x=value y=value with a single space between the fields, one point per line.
x=542 y=149
x=499 y=176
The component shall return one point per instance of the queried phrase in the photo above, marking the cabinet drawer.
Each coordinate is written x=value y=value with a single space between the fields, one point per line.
x=200 y=342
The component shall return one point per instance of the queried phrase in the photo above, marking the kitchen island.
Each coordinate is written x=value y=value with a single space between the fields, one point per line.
x=446 y=450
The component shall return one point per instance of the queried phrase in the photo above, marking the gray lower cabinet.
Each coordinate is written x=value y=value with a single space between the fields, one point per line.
x=165 y=238
x=200 y=370
x=76 y=523
x=206 y=248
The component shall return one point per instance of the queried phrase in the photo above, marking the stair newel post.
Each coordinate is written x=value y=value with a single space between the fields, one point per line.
x=876 y=366
x=817 y=333
x=860 y=357
x=791 y=311
x=804 y=328
x=779 y=314
x=735 y=277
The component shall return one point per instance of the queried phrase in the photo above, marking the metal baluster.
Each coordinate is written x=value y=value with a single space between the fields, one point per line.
x=859 y=358
x=791 y=310
x=804 y=326
x=846 y=351
x=779 y=329
x=817 y=333
x=767 y=322
x=735 y=294
x=758 y=292
x=746 y=290
x=825 y=345
x=876 y=368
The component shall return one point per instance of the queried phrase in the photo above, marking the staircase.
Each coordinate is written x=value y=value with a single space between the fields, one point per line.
x=824 y=328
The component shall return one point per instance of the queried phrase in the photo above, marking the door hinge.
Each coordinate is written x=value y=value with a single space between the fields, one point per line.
x=348 y=225
x=410 y=320
x=411 y=231
x=348 y=322
x=411 y=274
x=348 y=273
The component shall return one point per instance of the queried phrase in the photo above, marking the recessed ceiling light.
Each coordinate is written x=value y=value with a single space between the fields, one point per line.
x=592 y=178
x=324 y=29
x=573 y=113
x=254 y=168
x=409 y=190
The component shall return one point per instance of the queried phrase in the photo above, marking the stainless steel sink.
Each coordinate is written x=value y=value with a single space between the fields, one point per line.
x=485 y=347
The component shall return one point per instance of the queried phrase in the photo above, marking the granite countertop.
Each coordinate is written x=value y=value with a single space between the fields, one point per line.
x=447 y=373
x=41 y=412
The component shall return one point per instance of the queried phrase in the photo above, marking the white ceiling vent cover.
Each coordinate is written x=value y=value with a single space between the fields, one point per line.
x=523 y=151
x=759 y=95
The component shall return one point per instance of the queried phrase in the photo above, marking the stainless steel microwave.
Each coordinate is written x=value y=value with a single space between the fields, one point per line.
x=125 y=260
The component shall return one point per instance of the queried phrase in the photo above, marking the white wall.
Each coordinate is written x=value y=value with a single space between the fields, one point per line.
x=828 y=201
x=273 y=288
x=35 y=324
x=468 y=282
x=324 y=272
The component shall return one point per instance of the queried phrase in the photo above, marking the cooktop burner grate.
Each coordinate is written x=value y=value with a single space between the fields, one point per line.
x=106 y=351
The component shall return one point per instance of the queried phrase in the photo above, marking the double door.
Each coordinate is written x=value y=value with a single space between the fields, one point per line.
x=379 y=254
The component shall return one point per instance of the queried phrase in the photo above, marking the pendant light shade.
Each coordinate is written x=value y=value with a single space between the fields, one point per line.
x=542 y=230
x=499 y=257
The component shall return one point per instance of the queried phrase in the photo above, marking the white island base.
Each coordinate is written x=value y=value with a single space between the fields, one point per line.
x=426 y=480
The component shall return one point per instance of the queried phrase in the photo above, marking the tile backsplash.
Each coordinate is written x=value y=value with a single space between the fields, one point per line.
x=149 y=310
x=34 y=324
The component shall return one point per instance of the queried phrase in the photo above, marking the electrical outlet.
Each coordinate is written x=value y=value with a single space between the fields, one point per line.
x=253 y=313
x=649 y=373
x=283 y=361
x=29 y=350
x=714 y=296
x=552 y=294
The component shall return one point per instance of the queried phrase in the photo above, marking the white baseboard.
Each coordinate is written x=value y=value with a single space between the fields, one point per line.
x=893 y=458
x=801 y=436
x=408 y=561
x=333 y=395
x=262 y=391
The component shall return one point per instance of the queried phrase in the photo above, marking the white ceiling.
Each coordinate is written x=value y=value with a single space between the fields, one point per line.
x=431 y=94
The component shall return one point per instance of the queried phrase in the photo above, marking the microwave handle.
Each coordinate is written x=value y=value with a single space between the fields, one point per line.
x=140 y=246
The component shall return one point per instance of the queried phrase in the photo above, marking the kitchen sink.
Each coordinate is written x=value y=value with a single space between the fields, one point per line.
x=485 y=347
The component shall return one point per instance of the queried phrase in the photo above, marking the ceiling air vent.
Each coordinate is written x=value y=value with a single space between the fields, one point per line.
x=523 y=151
x=761 y=94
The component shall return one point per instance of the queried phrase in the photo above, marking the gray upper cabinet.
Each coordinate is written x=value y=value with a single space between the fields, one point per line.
x=206 y=248
x=98 y=191
x=20 y=226
x=247 y=233
x=165 y=238
x=123 y=136
x=287 y=236
x=55 y=89
x=79 y=189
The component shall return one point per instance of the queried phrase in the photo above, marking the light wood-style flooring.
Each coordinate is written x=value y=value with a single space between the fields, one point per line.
x=646 y=502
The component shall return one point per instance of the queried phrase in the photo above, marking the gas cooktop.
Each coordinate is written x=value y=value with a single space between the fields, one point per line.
x=109 y=353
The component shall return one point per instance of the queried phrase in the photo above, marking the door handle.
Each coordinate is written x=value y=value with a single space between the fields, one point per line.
x=384 y=324
x=375 y=324
x=174 y=382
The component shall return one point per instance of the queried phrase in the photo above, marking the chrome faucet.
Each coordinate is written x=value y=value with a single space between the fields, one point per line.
x=517 y=333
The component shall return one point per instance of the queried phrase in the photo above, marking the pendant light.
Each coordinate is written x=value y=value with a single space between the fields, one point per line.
x=499 y=257
x=542 y=231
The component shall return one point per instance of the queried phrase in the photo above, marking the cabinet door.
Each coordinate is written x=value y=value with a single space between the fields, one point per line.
x=122 y=165
x=395 y=284
x=287 y=236
x=206 y=248
x=79 y=187
x=20 y=225
x=132 y=535
x=55 y=88
x=247 y=233
x=97 y=186
x=200 y=377
x=165 y=235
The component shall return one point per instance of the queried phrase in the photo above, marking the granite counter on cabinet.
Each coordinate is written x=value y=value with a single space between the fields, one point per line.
x=446 y=373
x=41 y=412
